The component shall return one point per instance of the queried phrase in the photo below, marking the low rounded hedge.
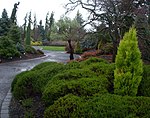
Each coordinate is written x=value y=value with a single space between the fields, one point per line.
x=80 y=87
x=99 y=106
x=27 y=84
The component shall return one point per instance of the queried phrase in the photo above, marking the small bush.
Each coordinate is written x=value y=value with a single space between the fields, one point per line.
x=63 y=107
x=144 y=87
x=107 y=48
x=36 y=43
x=30 y=50
x=78 y=49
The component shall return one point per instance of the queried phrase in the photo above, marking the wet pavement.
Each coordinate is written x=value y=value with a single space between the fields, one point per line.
x=9 y=70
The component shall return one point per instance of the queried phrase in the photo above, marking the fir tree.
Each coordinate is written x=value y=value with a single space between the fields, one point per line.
x=4 y=23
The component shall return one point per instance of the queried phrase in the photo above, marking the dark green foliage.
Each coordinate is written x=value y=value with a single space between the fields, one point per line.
x=99 y=106
x=74 y=74
x=30 y=49
x=16 y=79
x=81 y=87
x=106 y=70
x=63 y=107
x=144 y=87
x=7 y=48
x=129 y=66
x=93 y=60
x=14 y=34
x=28 y=35
x=107 y=48
x=27 y=84
x=20 y=48
x=13 y=14
x=4 y=23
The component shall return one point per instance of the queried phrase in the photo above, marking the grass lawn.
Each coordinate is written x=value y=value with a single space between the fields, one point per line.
x=53 y=48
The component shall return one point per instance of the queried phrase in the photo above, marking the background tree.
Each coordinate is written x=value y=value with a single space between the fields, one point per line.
x=28 y=35
x=35 y=29
x=129 y=67
x=143 y=30
x=51 y=23
x=112 y=13
x=13 y=14
x=41 y=31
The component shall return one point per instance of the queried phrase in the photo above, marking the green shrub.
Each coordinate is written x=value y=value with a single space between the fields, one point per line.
x=99 y=106
x=27 y=84
x=129 y=67
x=80 y=87
x=36 y=43
x=63 y=107
x=78 y=49
x=144 y=87
x=107 y=48
x=7 y=48
x=30 y=50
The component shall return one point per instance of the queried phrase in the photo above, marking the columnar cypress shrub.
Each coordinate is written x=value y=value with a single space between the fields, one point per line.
x=129 y=66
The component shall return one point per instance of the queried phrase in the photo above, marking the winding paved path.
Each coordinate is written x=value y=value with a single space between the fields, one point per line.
x=9 y=70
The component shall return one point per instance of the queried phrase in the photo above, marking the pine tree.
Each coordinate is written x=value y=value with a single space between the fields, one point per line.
x=129 y=68
x=4 y=23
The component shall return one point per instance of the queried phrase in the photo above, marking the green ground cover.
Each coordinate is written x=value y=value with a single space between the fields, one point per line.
x=53 y=48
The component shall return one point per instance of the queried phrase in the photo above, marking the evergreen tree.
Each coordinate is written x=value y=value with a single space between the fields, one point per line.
x=129 y=68
x=47 y=26
x=51 y=23
x=4 y=23
x=13 y=14
x=41 y=30
x=35 y=35
x=28 y=35
x=14 y=34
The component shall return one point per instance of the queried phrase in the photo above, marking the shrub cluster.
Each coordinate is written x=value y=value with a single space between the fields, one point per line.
x=80 y=89
x=99 y=106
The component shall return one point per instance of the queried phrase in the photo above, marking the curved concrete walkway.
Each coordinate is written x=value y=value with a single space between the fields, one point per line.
x=9 y=70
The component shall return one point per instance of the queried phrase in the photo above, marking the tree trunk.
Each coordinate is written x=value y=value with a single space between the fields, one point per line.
x=71 y=50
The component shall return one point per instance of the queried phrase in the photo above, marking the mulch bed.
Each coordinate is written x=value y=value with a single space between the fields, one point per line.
x=22 y=57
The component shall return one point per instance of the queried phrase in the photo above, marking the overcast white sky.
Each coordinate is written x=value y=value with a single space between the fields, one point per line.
x=40 y=7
